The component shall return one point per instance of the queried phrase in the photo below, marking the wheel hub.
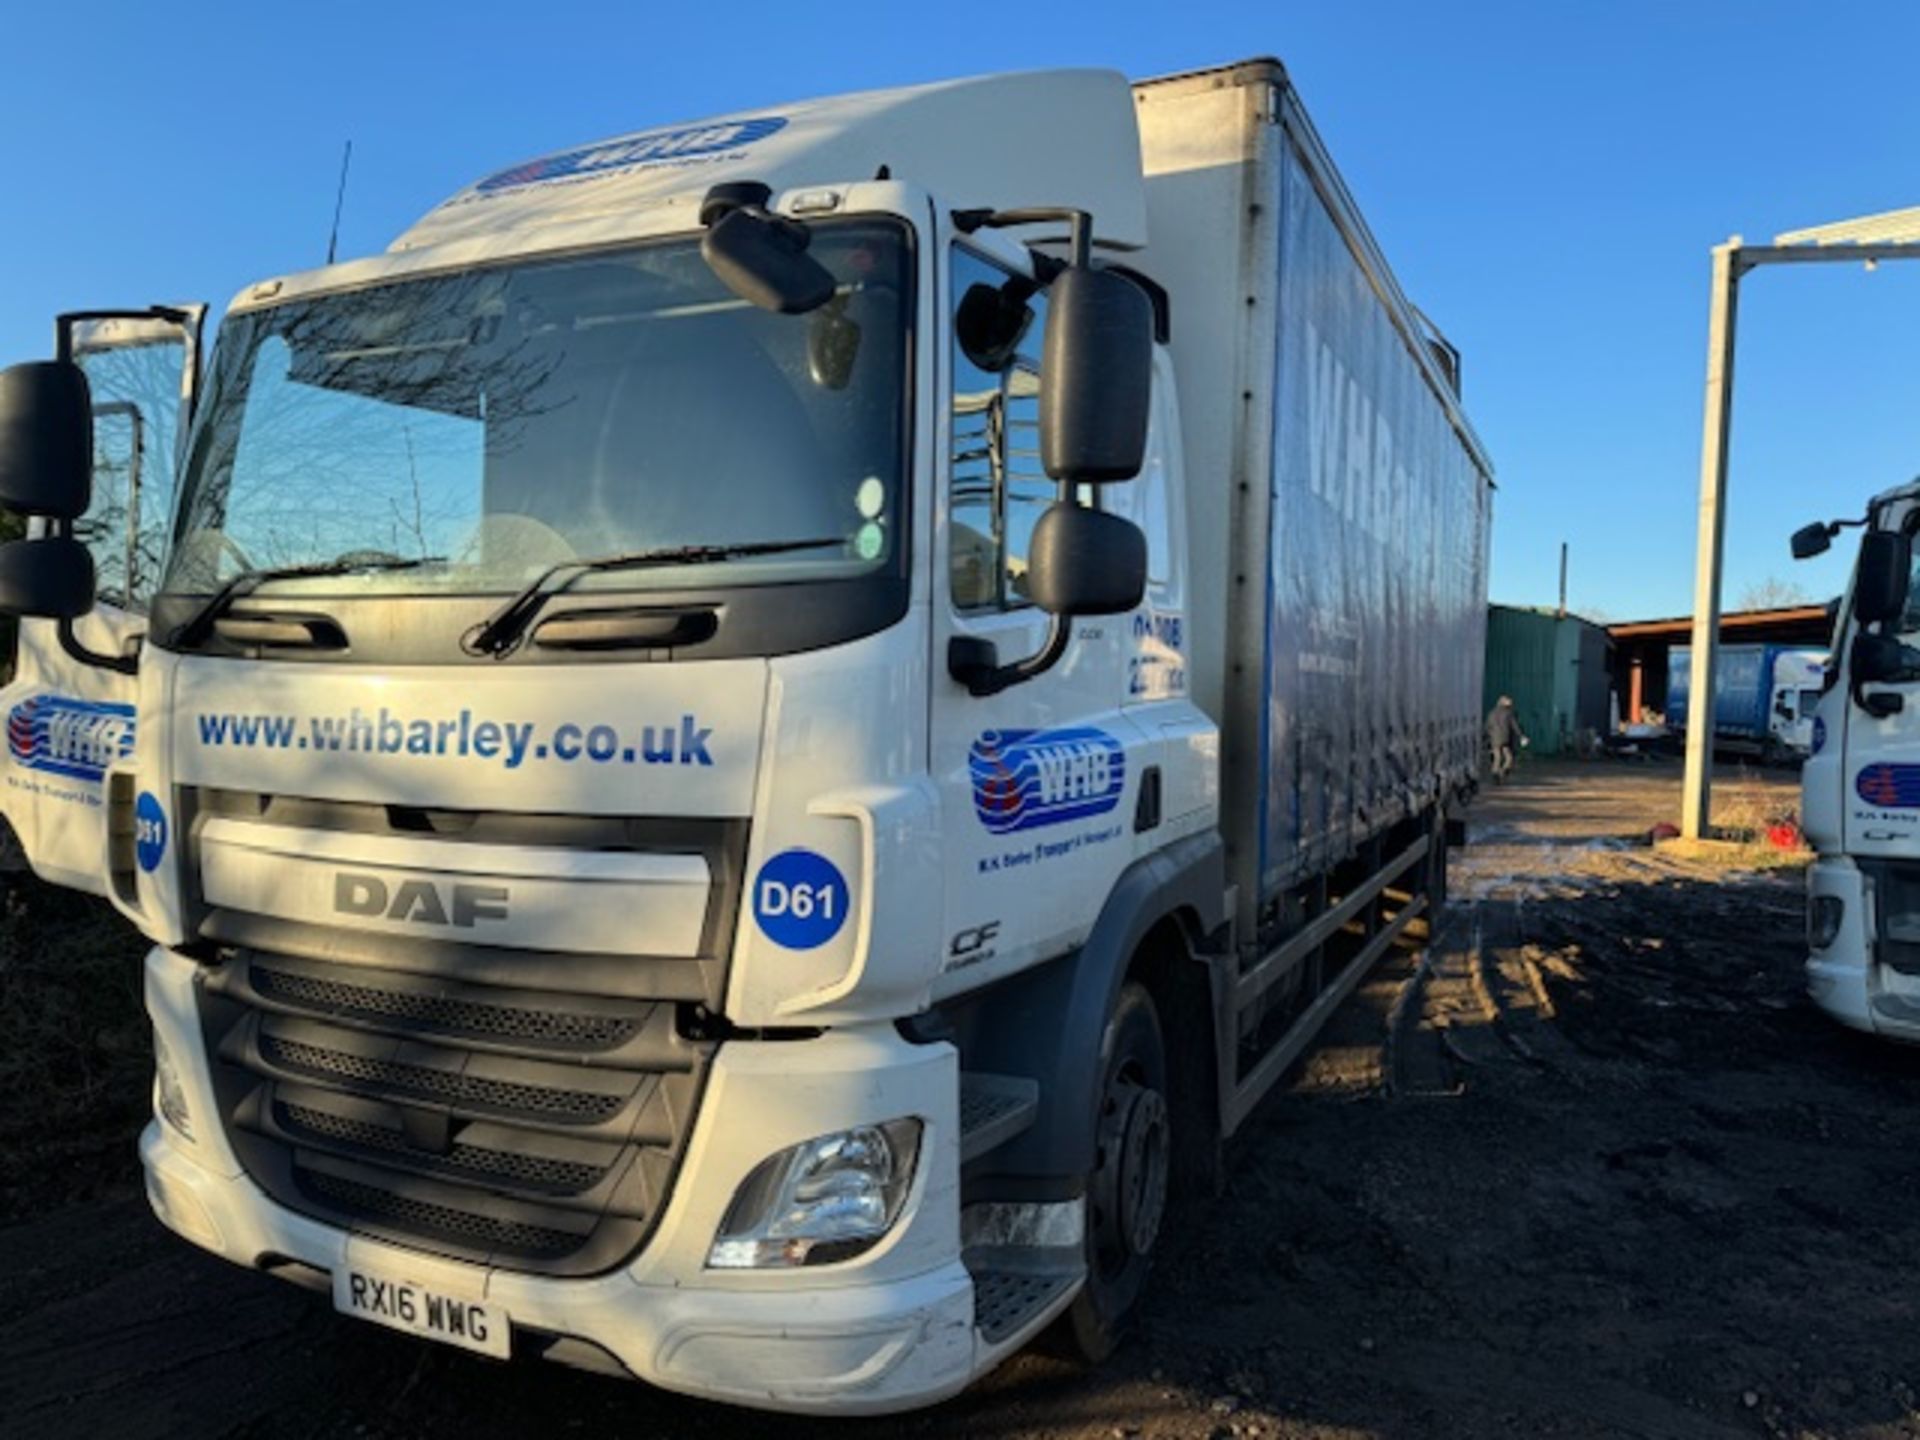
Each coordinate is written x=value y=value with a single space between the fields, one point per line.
x=1143 y=1171
x=1133 y=1174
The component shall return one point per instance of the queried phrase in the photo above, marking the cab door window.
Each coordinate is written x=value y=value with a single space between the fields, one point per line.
x=136 y=416
x=998 y=490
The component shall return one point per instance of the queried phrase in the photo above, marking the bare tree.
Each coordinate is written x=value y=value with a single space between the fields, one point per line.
x=1772 y=593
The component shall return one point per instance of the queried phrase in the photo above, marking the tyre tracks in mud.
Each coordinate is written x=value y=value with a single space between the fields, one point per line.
x=1476 y=998
x=1651 y=1175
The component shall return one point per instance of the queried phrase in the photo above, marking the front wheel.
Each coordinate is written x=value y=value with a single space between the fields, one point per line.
x=1127 y=1189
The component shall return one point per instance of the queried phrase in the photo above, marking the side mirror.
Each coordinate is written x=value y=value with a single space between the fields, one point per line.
x=1811 y=540
x=1096 y=377
x=763 y=259
x=1086 y=562
x=1876 y=659
x=50 y=578
x=1880 y=584
x=46 y=440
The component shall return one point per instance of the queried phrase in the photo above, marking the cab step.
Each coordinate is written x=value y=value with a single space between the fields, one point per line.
x=1896 y=1008
x=994 y=1109
x=1014 y=1294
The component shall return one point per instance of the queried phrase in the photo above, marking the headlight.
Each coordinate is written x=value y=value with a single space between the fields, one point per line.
x=827 y=1199
x=1824 y=914
x=169 y=1096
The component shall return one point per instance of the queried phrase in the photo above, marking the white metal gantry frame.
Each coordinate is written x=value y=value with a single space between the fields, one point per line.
x=1894 y=235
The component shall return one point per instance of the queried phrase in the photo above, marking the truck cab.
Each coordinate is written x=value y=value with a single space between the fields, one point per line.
x=1799 y=683
x=1861 y=784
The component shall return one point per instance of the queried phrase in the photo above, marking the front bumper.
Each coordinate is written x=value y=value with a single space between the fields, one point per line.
x=1844 y=979
x=890 y=1330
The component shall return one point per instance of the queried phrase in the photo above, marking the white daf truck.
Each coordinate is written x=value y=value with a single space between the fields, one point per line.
x=738 y=751
x=1860 y=788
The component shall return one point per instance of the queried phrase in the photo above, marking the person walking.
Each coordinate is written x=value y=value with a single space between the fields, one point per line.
x=1503 y=735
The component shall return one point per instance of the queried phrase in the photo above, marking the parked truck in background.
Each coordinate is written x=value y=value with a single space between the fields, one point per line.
x=739 y=749
x=1764 y=697
x=1860 y=789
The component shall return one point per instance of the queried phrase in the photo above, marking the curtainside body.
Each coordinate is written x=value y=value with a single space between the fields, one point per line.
x=1339 y=601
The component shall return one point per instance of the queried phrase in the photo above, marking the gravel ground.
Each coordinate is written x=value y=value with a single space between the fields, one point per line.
x=1588 y=1165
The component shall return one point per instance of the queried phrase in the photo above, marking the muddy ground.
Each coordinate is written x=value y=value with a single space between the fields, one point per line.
x=1589 y=1165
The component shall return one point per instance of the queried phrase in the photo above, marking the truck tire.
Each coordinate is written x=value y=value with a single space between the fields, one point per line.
x=1127 y=1189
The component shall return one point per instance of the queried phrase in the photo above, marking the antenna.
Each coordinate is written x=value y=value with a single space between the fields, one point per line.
x=339 y=199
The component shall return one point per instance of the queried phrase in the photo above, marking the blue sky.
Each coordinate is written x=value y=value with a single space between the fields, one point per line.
x=1546 y=178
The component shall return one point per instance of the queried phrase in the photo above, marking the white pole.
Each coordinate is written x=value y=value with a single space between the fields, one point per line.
x=1696 y=814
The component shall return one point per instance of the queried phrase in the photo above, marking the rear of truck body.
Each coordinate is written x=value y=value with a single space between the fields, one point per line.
x=734 y=1010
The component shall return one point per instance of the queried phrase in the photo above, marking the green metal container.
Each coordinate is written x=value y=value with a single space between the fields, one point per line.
x=1555 y=669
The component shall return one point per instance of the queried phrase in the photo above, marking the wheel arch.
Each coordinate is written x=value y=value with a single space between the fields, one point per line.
x=1047 y=1023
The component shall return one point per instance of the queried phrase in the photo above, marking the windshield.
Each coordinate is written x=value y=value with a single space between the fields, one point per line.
x=495 y=423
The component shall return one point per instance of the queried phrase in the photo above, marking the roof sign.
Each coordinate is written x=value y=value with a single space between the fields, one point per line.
x=652 y=148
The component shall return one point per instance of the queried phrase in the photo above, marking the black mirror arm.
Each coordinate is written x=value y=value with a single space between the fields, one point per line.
x=974 y=662
x=77 y=649
x=1080 y=227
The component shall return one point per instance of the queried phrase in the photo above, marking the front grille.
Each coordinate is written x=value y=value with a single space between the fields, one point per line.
x=515 y=1106
x=1896 y=891
x=431 y=1011
x=424 y=1218
x=562 y=1177
x=504 y=1095
x=538 y=1130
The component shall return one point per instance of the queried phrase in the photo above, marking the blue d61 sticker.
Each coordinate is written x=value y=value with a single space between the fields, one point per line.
x=800 y=899
x=149 y=831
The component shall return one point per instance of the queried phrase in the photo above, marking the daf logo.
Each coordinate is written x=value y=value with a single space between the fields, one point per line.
x=420 y=901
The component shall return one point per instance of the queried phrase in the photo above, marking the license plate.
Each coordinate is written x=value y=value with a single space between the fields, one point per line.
x=422 y=1310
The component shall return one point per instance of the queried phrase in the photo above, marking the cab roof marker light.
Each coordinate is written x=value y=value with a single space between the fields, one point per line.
x=814 y=202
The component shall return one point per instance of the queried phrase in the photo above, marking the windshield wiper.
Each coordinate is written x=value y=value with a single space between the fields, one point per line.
x=195 y=629
x=499 y=635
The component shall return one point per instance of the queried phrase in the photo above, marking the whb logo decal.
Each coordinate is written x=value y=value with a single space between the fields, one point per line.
x=1819 y=734
x=648 y=149
x=75 y=738
x=1891 y=787
x=800 y=899
x=1023 y=779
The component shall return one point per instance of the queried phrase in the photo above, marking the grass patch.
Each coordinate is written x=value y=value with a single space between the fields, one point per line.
x=77 y=1066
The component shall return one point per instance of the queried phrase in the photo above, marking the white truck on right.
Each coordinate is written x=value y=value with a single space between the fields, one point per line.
x=1860 y=787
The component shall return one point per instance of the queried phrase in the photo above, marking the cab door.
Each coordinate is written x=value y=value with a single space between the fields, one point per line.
x=1880 y=706
x=1039 y=782
x=70 y=699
